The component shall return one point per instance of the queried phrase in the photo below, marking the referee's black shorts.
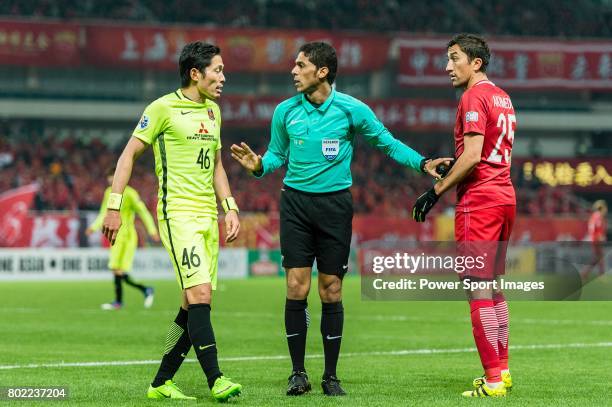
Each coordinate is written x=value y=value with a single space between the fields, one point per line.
x=316 y=227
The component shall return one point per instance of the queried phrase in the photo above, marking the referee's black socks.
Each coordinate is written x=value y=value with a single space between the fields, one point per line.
x=296 y=327
x=203 y=340
x=332 y=322
x=177 y=346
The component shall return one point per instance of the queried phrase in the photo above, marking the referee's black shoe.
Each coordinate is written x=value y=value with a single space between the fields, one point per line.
x=298 y=384
x=331 y=386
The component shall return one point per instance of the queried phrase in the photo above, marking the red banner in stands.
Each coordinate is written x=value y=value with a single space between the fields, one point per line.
x=243 y=50
x=400 y=114
x=47 y=44
x=262 y=230
x=548 y=229
x=515 y=64
x=14 y=207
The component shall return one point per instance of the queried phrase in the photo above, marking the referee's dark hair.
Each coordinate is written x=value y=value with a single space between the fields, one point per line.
x=197 y=55
x=474 y=46
x=322 y=54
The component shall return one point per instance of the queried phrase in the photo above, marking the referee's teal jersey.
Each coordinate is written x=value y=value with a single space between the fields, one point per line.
x=317 y=142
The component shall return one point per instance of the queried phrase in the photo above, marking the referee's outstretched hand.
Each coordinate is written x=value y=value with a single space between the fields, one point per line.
x=431 y=167
x=246 y=157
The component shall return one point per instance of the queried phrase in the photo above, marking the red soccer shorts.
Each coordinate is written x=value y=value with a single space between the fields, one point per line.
x=485 y=233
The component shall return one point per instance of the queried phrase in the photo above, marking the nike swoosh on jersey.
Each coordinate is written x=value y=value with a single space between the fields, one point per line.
x=192 y=274
x=290 y=335
x=184 y=113
x=329 y=338
x=205 y=346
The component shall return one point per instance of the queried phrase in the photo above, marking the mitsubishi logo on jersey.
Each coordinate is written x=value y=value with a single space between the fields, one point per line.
x=202 y=134
x=202 y=129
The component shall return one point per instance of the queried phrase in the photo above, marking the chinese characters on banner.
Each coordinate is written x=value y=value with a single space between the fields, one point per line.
x=594 y=173
x=528 y=63
x=524 y=64
x=243 y=50
x=46 y=44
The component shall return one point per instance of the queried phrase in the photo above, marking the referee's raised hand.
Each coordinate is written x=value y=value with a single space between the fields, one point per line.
x=246 y=157
x=431 y=166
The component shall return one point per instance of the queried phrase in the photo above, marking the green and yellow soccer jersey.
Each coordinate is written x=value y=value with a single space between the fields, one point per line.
x=185 y=136
x=131 y=204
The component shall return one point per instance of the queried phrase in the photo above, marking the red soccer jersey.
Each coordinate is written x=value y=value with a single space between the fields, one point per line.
x=597 y=227
x=487 y=110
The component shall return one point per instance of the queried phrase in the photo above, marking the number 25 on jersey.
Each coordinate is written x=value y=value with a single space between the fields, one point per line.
x=505 y=122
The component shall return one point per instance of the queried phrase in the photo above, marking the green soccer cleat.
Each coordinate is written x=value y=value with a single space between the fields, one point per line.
x=168 y=390
x=485 y=391
x=224 y=389
x=506 y=378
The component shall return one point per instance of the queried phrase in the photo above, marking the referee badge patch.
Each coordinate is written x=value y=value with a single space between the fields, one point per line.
x=330 y=148
x=211 y=114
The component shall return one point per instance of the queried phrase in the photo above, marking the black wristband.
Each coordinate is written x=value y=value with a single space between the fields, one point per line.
x=423 y=162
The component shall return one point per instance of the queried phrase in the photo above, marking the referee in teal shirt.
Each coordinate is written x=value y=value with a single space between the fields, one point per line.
x=314 y=134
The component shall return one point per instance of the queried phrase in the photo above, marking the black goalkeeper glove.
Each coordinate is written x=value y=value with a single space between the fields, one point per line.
x=423 y=205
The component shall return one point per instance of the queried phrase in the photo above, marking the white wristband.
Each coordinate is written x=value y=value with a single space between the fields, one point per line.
x=114 y=201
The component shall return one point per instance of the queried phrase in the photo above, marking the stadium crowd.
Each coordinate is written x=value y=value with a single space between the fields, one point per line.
x=71 y=172
x=584 y=18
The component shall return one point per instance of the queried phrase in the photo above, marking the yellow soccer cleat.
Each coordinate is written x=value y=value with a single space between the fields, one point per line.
x=485 y=391
x=224 y=389
x=506 y=378
x=168 y=390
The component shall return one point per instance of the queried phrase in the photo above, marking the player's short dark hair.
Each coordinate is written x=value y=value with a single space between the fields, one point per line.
x=197 y=55
x=474 y=46
x=110 y=171
x=322 y=54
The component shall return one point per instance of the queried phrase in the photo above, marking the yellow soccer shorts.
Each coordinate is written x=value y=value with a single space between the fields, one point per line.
x=122 y=252
x=193 y=246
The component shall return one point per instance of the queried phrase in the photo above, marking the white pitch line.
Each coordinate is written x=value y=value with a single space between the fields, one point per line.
x=396 y=318
x=316 y=356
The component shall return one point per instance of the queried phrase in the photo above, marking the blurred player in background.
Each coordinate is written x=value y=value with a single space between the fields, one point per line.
x=486 y=202
x=313 y=133
x=598 y=229
x=122 y=252
x=184 y=129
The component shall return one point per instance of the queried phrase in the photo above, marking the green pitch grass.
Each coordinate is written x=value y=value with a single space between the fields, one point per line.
x=562 y=354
